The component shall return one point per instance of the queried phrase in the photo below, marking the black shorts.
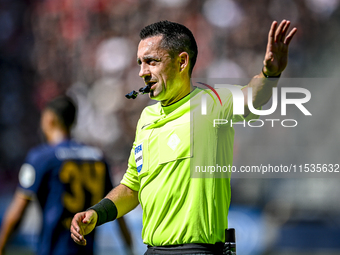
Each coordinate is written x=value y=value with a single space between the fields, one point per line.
x=192 y=248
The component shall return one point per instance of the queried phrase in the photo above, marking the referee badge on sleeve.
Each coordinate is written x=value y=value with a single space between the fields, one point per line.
x=139 y=157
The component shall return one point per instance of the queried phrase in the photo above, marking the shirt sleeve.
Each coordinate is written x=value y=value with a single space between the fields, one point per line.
x=31 y=174
x=227 y=112
x=130 y=178
x=249 y=117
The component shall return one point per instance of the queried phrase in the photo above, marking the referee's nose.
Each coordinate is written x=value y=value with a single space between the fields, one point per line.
x=144 y=70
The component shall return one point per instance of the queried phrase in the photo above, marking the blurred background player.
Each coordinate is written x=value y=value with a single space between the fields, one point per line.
x=65 y=177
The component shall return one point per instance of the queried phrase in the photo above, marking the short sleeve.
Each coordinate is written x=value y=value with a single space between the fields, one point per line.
x=227 y=104
x=130 y=178
x=228 y=107
x=249 y=117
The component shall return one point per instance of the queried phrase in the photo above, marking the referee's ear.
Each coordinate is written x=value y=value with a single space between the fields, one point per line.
x=183 y=61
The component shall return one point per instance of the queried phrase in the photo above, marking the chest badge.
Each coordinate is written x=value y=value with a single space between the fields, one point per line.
x=173 y=141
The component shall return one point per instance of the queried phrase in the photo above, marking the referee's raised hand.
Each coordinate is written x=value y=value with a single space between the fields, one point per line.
x=82 y=224
x=276 y=58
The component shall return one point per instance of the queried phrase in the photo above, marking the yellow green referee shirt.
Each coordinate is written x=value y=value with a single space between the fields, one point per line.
x=170 y=142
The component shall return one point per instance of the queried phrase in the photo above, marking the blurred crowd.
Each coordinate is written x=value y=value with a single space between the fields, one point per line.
x=87 y=49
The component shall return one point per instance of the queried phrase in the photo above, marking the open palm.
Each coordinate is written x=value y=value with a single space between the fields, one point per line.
x=276 y=58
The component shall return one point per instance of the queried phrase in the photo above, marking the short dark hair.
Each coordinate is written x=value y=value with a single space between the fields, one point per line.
x=65 y=110
x=176 y=39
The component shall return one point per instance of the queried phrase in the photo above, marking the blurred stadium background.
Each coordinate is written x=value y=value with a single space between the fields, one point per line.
x=87 y=49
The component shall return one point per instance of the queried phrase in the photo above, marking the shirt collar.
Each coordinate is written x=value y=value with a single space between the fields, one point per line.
x=170 y=108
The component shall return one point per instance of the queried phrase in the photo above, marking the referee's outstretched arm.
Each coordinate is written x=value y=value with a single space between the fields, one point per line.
x=118 y=202
x=275 y=61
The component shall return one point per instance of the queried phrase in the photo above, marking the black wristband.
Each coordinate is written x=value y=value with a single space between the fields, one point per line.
x=106 y=211
x=270 y=77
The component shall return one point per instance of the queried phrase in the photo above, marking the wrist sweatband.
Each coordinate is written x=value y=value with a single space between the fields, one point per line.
x=269 y=77
x=106 y=211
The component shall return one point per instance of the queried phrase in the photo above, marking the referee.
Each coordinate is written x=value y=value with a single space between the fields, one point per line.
x=181 y=215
